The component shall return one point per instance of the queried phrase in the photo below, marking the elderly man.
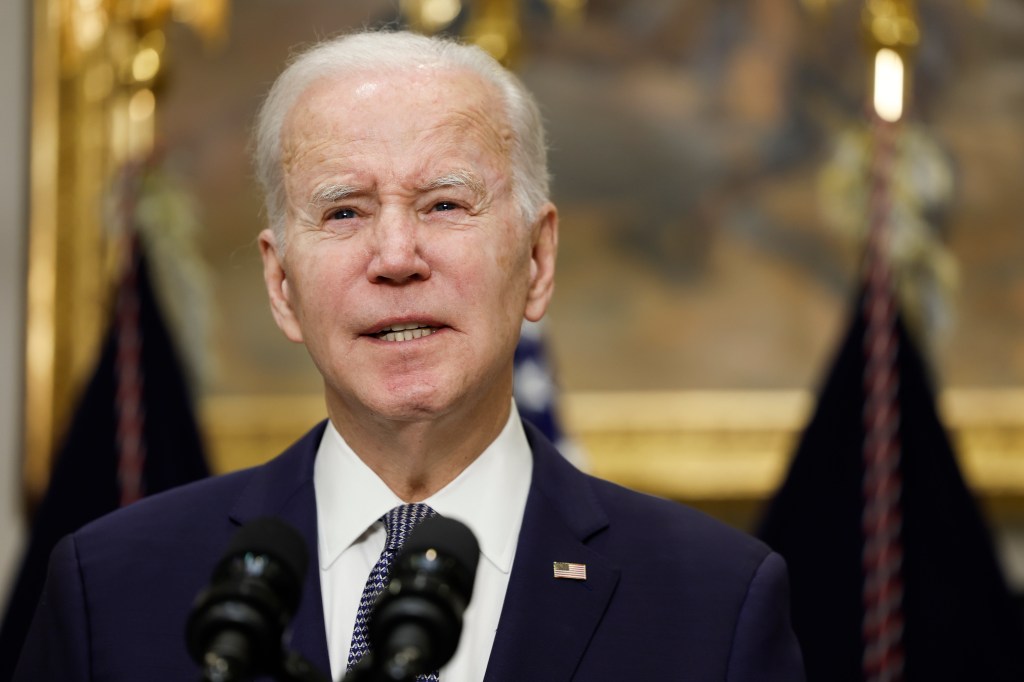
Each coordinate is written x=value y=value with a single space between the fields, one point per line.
x=410 y=234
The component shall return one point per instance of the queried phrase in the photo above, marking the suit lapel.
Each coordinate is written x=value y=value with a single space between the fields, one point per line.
x=547 y=623
x=284 y=488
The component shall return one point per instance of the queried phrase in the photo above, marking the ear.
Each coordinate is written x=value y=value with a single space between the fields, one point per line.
x=276 y=280
x=542 y=263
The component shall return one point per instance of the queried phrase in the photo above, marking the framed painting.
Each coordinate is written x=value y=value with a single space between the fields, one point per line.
x=704 y=160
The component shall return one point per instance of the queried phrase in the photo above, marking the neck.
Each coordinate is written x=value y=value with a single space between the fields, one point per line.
x=415 y=459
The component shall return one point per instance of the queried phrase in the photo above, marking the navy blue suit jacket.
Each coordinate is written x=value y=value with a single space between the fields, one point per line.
x=670 y=593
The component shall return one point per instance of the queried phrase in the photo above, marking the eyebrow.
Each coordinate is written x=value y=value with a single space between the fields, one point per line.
x=457 y=178
x=328 y=194
x=332 y=193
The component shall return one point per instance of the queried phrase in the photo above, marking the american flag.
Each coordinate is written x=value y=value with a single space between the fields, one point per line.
x=536 y=392
x=534 y=387
x=564 y=569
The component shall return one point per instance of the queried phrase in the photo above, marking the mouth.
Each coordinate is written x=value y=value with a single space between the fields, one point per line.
x=405 y=332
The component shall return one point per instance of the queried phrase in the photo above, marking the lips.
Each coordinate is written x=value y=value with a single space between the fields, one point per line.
x=405 y=332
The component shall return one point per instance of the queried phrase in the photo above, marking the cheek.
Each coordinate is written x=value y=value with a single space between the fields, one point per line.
x=319 y=283
x=503 y=277
x=513 y=262
x=484 y=269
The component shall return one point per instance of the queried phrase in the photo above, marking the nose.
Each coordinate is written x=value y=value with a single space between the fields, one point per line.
x=396 y=256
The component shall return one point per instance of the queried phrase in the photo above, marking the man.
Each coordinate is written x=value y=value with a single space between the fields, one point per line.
x=410 y=234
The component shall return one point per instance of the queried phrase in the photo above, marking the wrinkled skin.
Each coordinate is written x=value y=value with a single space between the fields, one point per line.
x=400 y=212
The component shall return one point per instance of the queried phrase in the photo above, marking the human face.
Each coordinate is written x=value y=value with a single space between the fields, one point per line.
x=408 y=267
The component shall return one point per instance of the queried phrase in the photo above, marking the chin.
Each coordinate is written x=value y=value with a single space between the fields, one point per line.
x=413 y=405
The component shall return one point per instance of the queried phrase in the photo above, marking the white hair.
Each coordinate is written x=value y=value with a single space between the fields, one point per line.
x=399 y=50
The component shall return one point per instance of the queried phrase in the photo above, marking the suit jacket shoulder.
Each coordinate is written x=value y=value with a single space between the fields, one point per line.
x=120 y=589
x=670 y=593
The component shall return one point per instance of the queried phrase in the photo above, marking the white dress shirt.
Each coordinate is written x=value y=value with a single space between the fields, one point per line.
x=489 y=496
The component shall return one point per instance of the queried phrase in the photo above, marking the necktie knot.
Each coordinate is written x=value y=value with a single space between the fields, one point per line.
x=401 y=520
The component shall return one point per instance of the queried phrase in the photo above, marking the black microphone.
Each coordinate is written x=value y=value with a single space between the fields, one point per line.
x=236 y=625
x=415 y=625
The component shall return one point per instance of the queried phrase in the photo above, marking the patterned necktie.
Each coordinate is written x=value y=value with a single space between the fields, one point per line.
x=398 y=523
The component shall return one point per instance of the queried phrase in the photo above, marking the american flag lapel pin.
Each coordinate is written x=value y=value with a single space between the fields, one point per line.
x=570 y=571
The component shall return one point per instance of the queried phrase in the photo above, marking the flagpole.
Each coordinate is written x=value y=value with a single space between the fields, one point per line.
x=882 y=518
x=129 y=375
x=892 y=30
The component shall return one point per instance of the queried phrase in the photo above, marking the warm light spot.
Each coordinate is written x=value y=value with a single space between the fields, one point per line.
x=430 y=16
x=888 y=85
x=437 y=14
x=146 y=64
x=89 y=30
x=142 y=105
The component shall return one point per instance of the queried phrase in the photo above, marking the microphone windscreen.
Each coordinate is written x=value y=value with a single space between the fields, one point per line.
x=275 y=538
x=448 y=537
x=237 y=622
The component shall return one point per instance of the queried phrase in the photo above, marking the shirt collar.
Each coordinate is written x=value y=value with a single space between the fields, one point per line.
x=489 y=495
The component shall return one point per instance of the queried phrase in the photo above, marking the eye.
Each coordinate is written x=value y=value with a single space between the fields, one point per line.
x=445 y=206
x=343 y=214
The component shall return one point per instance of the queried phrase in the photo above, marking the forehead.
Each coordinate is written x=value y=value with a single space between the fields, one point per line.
x=427 y=110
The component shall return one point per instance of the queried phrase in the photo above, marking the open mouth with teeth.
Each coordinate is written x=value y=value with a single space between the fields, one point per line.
x=405 y=332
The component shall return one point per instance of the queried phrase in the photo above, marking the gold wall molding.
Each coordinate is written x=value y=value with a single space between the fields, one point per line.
x=698 y=446
x=716 y=445
x=41 y=410
x=95 y=71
